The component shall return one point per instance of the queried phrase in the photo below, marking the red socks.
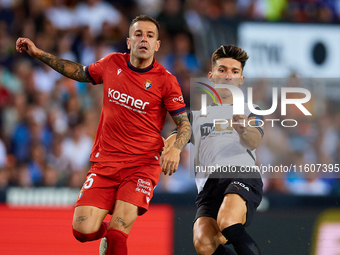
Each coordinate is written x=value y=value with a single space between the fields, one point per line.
x=116 y=242
x=116 y=239
x=92 y=236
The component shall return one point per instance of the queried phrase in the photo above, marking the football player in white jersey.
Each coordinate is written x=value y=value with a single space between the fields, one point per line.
x=228 y=199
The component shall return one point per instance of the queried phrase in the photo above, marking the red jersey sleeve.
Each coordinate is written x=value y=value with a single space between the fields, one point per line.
x=172 y=96
x=96 y=70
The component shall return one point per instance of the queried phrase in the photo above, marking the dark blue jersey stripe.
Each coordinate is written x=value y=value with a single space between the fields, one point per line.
x=89 y=76
x=143 y=70
x=179 y=111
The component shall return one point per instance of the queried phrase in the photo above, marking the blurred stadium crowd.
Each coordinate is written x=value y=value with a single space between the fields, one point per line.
x=48 y=122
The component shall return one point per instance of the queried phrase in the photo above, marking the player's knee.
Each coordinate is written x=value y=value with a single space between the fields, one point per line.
x=81 y=230
x=204 y=246
x=225 y=222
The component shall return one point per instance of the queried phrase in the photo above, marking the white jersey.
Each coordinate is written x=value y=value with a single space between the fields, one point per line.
x=216 y=142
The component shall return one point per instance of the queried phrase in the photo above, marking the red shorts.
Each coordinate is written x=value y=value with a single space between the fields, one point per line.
x=129 y=181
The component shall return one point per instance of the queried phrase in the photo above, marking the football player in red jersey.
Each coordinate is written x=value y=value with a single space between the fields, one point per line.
x=138 y=92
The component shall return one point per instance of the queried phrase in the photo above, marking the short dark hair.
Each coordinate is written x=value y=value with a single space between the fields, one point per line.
x=230 y=51
x=145 y=18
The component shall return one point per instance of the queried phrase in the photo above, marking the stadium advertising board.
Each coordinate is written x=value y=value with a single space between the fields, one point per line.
x=277 y=50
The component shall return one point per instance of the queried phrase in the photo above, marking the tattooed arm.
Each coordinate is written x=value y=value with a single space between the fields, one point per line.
x=171 y=155
x=67 y=68
x=183 y=130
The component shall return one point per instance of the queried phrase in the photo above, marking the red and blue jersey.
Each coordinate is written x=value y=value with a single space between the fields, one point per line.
x=134 y=108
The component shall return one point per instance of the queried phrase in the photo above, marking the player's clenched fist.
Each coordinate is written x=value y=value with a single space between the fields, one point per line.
x=240 y=123
x=25 y=44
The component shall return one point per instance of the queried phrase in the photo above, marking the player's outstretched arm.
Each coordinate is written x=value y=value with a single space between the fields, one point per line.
x=67 y=68
x=176 y=143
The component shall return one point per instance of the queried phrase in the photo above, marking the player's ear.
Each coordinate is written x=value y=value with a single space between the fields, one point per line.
x=128 y=43
x=210 y=76
x=242 y=80
x=158 y=44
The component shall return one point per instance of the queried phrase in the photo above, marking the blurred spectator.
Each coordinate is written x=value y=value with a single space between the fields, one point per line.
x=13 y=113
x=20 y=140
x=5 y=97
x=322 y=11
x=337 y=9
x=194 y=15
x=76 y=149
x=24 y=177
x=39 y=131
x=24 y=72
x=57 y=120
x=37 y=166
x=94 y=13
x=4 y=182
x=51 y=178
x=95 y=49
x=6 y=12
x=150 y=7
x=172 y=17
x=44 y=78
x=33 y=12
x=31 y=129
x=181 y=59
x=61 y=16
x=91 y=119
x=10 y=81
x=199 y=26
x=73 y=110
x=64 y=46
x=3 y=154
x=58 y=163
x=6 y=47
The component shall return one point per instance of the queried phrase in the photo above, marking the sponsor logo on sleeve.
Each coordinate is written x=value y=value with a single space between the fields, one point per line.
x=178 y=99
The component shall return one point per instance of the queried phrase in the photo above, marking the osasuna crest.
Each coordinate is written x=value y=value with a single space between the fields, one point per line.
x=147 y=84
x=80 y=194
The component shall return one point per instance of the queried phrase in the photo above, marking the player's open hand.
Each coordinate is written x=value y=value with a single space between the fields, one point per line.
x=240 y=123
x=166 y=146
x=25 y=44
x=169 y=160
